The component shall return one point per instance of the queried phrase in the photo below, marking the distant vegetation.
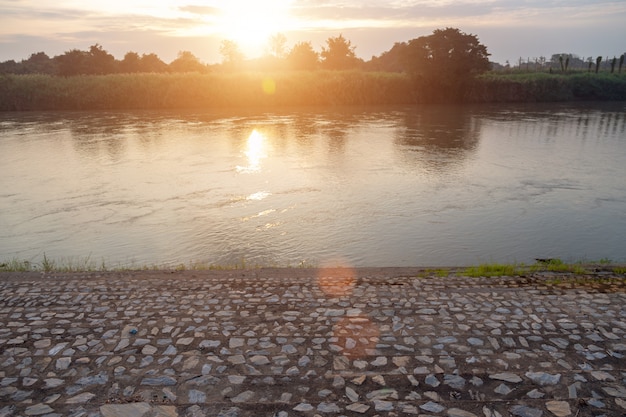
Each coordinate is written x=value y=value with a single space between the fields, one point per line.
x=447 y=66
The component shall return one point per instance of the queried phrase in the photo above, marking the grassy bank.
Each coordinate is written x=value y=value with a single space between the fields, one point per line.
x=482 y=270
x=282 y=89
x=545 y=87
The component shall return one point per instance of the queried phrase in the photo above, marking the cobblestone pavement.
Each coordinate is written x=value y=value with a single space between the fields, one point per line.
x=306 y=342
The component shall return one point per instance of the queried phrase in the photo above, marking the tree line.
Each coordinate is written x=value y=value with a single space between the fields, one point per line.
x=448 y=50
x=422 y=54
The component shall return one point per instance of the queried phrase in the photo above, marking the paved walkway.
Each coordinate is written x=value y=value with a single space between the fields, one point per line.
x=291 y=342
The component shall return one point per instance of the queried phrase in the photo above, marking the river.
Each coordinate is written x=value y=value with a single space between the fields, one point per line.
x=402 y=186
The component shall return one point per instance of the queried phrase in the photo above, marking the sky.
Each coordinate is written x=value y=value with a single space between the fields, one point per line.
x=510 y=29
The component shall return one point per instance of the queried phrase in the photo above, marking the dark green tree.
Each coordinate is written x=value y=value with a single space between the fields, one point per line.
x=131 y=63
x=339 y=54
x=100 y=61
x=152 y=63
x=621 y=63
x=73 y=62
x=303 y=57
x=445 y=62
x=598 y=61
x=187 y=62
x=39 y=63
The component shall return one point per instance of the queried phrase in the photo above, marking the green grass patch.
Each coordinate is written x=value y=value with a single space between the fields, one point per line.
x=492 y=270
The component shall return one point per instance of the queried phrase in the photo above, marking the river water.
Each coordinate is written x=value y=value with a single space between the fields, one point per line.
x=406 y=186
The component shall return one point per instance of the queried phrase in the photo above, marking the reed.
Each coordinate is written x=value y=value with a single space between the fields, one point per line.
x=290 y=89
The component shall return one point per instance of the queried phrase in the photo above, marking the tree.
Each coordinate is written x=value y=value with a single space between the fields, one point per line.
x=303 y=57
x=152 y=63
x=131 y=63
x=231 y=54
x=339 y=54
x=444 y=63
x=187 y=62
x=73 y=62
x=277 y=45
x=39 y=63
x=391 y=60
x=100 y=61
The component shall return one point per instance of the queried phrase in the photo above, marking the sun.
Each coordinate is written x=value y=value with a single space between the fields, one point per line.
x=250 y=23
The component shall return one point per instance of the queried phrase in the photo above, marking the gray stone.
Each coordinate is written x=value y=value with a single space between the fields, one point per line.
x=231 y=412
x=457 y=412
x=159 y=381
x=525 y=411
x=454 y=381
x=38 y=410
x=196 y=397
x=502 y=389
x=244 y=397
x=80 y=398
x=259 y=360
x=506 y=377
x=304 y=407
x=352 y=395
x=432 y=381
x=328 y=408
x=543 y=379
x=125 y=410
x=559 y=408
x=381 y=405
x=358 y=408
x=432 y=407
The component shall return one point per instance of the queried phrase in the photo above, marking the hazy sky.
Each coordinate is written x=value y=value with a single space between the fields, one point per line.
x=510 y=28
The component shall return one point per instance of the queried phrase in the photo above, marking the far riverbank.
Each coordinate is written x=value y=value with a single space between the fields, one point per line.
x=292 y=89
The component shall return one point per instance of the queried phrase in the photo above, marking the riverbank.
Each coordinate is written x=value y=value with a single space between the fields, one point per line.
x=304 y=342
x=290 y=89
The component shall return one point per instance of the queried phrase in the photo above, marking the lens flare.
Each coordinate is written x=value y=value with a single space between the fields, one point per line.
x=336 y=278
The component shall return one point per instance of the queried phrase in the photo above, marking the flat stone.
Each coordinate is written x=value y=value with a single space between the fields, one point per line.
x=328 y=408
x=559 y=408
x=236 y=379
x=381 y=405
x=543 y=379
x=185 y=341
x=159 y=381
x=357 y=408
x=506 y=377
x=38 y=410
x=125 y=410
x=615 y=391
x=196 y=397
x=352 y=395
x=80 y=398
x=304 y=407
x=432 y=407
x=259 y=360
x=502 y=389
x=524 y=411
x=457 y=412
x=244 y=397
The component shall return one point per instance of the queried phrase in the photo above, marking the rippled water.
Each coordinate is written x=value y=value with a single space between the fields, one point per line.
x=429 y=186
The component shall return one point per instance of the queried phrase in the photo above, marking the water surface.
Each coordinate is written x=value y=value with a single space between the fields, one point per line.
x=409 y=186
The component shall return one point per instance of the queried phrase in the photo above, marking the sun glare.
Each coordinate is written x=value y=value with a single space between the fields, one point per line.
x=250 y=23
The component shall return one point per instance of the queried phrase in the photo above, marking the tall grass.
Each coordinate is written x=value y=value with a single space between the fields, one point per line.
x=291 y=88
x=543 y=87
